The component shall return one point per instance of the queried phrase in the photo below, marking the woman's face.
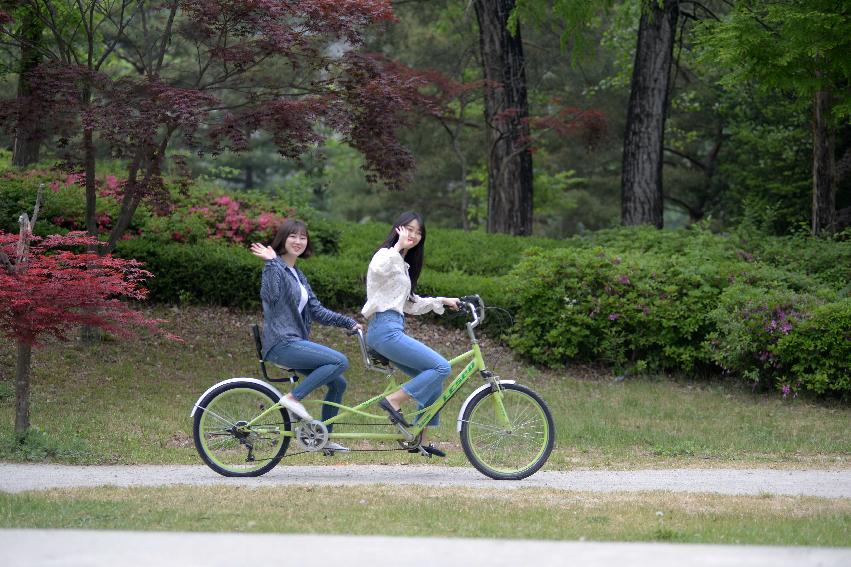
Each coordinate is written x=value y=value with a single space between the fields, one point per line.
x=295 y=244
x=414 y=234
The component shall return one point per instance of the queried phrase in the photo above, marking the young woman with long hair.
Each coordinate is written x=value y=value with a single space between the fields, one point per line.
x=391 y=283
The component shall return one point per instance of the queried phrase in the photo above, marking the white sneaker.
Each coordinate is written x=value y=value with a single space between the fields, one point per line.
x=335 y=447
x=296 y=408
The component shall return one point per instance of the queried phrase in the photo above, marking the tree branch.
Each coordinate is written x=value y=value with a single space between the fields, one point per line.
x=694 y=161
x=38 y=198
x=166 y=39
x=702 y=7
x=119 y=33
x=693 y=212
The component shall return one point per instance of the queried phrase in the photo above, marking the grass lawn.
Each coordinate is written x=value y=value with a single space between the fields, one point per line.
x=129 y=402
x=458 y=512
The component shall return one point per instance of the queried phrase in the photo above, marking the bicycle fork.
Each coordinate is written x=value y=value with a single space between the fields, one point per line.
x=499 y=410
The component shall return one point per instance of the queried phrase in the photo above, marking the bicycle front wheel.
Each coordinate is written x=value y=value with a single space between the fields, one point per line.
x=510 y=444
x=226 y=441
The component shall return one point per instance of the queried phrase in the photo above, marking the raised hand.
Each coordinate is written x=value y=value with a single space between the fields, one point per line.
x=402 y=231
x=265 y=252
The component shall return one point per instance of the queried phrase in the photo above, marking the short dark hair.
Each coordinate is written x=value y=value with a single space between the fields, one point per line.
x=288 y=227
x=415 y=257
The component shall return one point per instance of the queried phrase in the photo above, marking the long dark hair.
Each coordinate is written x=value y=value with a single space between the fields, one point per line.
x=416 y=255
x=288 y=227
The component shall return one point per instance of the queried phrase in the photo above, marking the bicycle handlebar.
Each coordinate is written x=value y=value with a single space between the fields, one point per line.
x=477 y=308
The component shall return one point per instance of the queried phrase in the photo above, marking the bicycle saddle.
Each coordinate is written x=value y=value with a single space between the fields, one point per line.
x=376 y=358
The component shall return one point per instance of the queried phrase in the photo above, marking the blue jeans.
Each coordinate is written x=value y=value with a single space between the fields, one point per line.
x=321 y=366
x=428 y=369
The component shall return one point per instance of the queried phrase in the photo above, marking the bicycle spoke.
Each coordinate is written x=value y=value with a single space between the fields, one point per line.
x=507 y=450
x=228 y=443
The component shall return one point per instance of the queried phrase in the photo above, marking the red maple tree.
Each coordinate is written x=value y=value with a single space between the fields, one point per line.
x=50 y=285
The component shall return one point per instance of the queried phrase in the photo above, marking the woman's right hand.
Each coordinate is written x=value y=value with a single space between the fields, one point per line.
x=402 y=231
x=265 y=252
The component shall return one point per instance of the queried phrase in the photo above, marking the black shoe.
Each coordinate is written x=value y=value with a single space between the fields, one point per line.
x=430 y=449
x=394 y=414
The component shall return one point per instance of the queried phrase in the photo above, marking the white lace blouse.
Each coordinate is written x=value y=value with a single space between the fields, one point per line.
x=389 y=287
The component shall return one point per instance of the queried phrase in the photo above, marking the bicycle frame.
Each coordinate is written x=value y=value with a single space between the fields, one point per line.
x=476 y=362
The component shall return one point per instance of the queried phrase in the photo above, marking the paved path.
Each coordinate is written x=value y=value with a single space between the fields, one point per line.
x=823 y=483
x=57 y=548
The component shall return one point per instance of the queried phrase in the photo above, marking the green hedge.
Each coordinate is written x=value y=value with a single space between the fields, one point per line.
x=449 y=250
x=214 y=273
x=206 y=272
x=218 y=274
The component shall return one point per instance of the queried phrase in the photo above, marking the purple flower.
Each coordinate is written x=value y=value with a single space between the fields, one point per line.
x=614 y=316
x=624 y=280
x=786 y=389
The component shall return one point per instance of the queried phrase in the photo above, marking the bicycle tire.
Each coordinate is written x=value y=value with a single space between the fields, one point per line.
x=508 y=454
x=228 y=451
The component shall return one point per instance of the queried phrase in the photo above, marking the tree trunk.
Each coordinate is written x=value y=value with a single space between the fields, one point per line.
x=506 y=113
x=249 y=178
x=824 y=188
x=641 y=185
x=22 y=389
x=27 y=144
x=88 y=334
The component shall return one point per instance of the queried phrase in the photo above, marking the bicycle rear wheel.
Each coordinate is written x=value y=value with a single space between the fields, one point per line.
x=226 y=442
x=510 y=446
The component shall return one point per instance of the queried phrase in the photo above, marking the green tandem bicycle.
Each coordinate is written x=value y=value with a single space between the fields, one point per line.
x=506 y=429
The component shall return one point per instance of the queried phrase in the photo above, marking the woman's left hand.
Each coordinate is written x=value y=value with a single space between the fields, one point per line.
x=451 y=302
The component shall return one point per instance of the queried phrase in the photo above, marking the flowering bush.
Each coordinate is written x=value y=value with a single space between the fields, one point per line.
x=212 y=215
x=229 y=219
x=749 y=323
x=64 y=205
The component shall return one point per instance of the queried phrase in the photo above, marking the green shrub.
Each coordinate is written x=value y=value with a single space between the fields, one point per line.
x=630 y=309
x=216 y=273
x=643 y=300
x=817 y=351
x=749 y=322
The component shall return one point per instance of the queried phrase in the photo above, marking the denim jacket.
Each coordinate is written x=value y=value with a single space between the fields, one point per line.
x=280 y=295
